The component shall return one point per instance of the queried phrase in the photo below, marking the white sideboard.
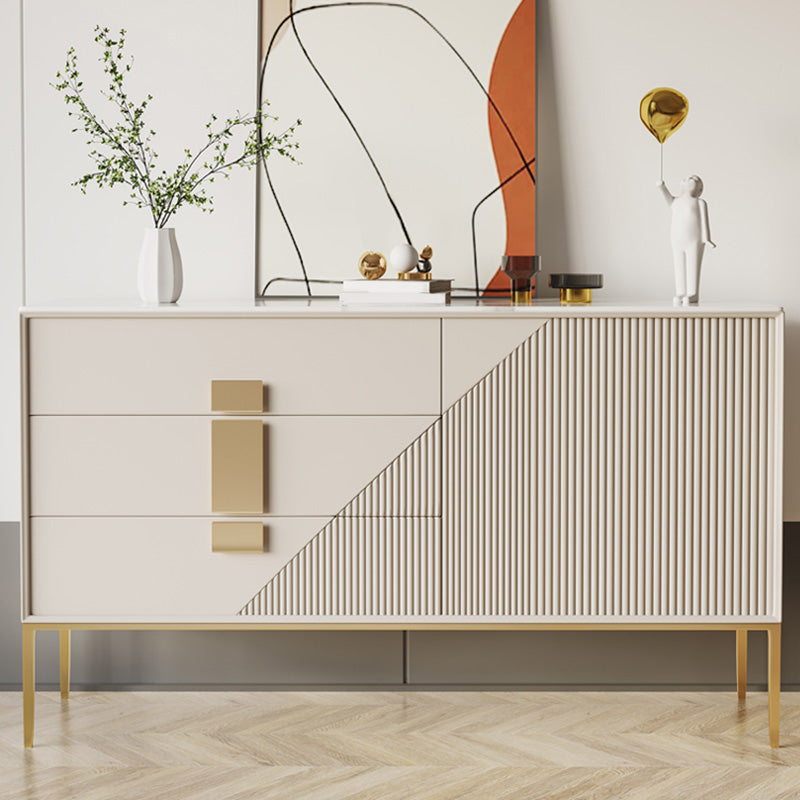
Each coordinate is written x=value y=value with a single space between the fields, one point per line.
x=293 y=464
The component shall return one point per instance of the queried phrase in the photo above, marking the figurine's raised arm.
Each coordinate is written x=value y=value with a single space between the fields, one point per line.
x=704 y=226
x=668 y=196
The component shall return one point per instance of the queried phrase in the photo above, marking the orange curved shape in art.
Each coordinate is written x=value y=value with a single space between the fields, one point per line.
x=512 y=87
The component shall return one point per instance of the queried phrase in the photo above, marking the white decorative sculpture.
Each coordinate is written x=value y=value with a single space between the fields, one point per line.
x=690 y=234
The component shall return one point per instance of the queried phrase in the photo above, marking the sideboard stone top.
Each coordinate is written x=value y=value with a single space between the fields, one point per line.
x=459 y=308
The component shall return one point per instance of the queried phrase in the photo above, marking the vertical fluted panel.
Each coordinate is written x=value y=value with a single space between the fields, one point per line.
x=379 y=555
x=359 y=567
x=609 y=466
x=616 y=467
x=409 y=486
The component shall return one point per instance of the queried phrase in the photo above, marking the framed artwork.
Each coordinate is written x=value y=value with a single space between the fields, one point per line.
x=418 y=125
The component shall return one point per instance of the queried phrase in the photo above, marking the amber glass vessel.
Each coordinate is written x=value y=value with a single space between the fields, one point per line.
x=520 y=270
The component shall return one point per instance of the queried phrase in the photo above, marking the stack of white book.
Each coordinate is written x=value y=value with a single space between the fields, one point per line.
x=388 y=292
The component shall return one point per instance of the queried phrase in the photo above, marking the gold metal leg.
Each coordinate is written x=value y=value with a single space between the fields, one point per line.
x=741 y=663
x=28 y=681
x=774 y=647
x=64 y=660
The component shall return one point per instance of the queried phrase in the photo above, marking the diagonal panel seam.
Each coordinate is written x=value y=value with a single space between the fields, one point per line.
x=342 y=513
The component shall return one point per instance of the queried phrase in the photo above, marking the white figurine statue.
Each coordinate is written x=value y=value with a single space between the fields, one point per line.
x=690 y=235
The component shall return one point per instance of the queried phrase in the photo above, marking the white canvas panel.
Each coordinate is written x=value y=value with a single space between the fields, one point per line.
x=423 y=118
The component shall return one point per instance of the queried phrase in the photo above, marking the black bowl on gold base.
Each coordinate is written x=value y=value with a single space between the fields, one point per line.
x=576 y=287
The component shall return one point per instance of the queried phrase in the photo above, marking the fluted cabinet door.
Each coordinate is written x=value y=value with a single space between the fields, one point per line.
x=618 y=467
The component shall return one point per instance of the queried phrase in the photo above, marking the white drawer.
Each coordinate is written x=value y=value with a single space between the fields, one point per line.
x=165 y=366
x=151 y=567
x=146 y=568
x=156 y=465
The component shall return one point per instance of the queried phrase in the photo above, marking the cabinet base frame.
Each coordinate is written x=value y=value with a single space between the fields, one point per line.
x=29 y=629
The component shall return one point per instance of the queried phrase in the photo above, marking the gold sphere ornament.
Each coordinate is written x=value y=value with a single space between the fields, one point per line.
x=663 y=111
x=372 y=265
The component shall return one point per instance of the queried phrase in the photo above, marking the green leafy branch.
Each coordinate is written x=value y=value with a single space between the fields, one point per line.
x=122 y=152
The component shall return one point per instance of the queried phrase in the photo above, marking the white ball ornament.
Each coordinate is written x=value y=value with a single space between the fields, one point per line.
x=403 y=257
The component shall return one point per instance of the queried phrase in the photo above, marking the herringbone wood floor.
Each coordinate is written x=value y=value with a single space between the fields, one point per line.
x=399 y=746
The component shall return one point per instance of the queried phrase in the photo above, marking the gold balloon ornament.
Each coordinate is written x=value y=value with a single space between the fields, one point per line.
x=663 y=111
x=372 y=265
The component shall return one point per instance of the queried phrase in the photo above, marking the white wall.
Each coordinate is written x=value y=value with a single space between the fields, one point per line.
x=195 y=57
x=10 y=257
x=598 y=209
x=736 y=60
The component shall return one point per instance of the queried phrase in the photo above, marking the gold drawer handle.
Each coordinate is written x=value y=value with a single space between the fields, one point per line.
x=237 y=466
x=237 y=397
x=237 y=537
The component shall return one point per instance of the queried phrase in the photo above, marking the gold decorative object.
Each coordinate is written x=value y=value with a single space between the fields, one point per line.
x=663 y=111
x=372 y=265
x=426 y=252
x=414 y=276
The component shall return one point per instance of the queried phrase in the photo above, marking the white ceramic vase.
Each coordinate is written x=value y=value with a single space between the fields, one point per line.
x=160 y=267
